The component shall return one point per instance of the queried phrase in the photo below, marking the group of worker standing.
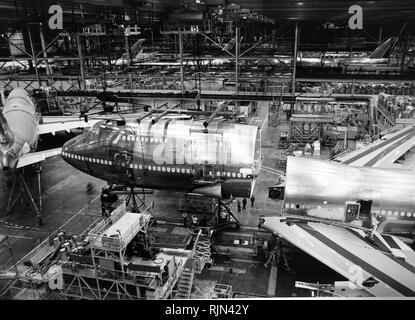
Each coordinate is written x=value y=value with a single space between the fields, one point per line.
x=240 y=205
x=244 y=202
x=193 y=222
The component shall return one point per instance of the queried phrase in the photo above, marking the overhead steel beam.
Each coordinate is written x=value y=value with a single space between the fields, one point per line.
x=181 y=62
x=217 y=44
x=47 y=47
x=11 y=43
x=286 y=97
x=236 y=59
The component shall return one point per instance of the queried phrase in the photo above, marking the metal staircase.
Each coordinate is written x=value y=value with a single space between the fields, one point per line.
x=303 y=133
x=202 y=254
x=386 y=118
x=185 y=283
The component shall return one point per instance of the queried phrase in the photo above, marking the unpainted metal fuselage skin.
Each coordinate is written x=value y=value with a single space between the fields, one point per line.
x=170 y=154
x=322 y=189
x=20 y=127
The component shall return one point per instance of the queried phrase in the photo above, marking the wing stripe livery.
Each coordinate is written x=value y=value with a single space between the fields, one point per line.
x=390 y=149
x=377 y=147
x=405 y=265
x=392 y=243
x=380 y=244
x=344 y=252
x=360 y=262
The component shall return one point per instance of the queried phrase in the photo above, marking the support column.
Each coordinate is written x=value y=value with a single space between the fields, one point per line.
x=127 y=50
x=404 y=51
x=34 y=56
x=181 y=61
x=81 y=60
x=236 y=59
x=294 y=64
x=45 y=55
x=273 y=38
x=295 y=58
x=107 y=40
x=152 y=41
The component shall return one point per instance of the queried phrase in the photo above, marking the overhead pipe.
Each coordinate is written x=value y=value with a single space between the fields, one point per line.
x=220 y=107
x=151 y=112
x=153 y=121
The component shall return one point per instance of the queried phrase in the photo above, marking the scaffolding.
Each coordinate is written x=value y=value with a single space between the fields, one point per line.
x=193 y=203
x=114 y=274
x=99 y=265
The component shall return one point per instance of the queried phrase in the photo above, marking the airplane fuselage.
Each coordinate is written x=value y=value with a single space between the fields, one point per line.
x=345 y=194
x=170 y=154
x=20 y=124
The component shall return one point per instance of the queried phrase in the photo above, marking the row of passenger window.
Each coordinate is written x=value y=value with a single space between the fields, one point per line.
x=152 y=168
x=153 y=140
x=385 y=213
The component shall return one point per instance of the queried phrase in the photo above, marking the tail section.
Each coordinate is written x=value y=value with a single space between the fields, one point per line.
x=137 y=47
x=384 y=49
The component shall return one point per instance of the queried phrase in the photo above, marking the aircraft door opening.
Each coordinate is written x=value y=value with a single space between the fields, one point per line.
x=365 y=207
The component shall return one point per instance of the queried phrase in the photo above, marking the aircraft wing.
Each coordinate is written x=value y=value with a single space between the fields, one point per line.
x=393 y=151
x=63 y=123
x=35 y=157
x=385 y=273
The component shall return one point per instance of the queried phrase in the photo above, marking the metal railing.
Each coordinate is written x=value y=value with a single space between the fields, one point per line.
x=116 y=243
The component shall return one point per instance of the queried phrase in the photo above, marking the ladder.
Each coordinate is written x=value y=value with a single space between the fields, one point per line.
x=185 y=283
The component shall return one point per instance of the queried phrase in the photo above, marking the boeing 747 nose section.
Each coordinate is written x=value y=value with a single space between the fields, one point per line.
x=178 y=155
x=73 y=152
x=89 y=153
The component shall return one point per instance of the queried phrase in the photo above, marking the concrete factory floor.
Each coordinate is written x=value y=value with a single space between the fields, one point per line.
x=69 y=206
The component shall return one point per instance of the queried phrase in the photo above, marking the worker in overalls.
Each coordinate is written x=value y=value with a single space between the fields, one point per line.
x=184 y=218
x=238 y=204
x=252 y=201
x=244 y=203
x=374 y=225
x=107 y=201
x=194 y=221
x=104 y=198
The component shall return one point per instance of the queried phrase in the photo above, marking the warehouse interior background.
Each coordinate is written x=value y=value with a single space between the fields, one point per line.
x=102 y=83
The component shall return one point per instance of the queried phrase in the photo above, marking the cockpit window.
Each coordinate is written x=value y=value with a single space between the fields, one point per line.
x=92 y=134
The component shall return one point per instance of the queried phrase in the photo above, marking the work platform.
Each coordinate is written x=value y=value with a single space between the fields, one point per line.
x=83 y=265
